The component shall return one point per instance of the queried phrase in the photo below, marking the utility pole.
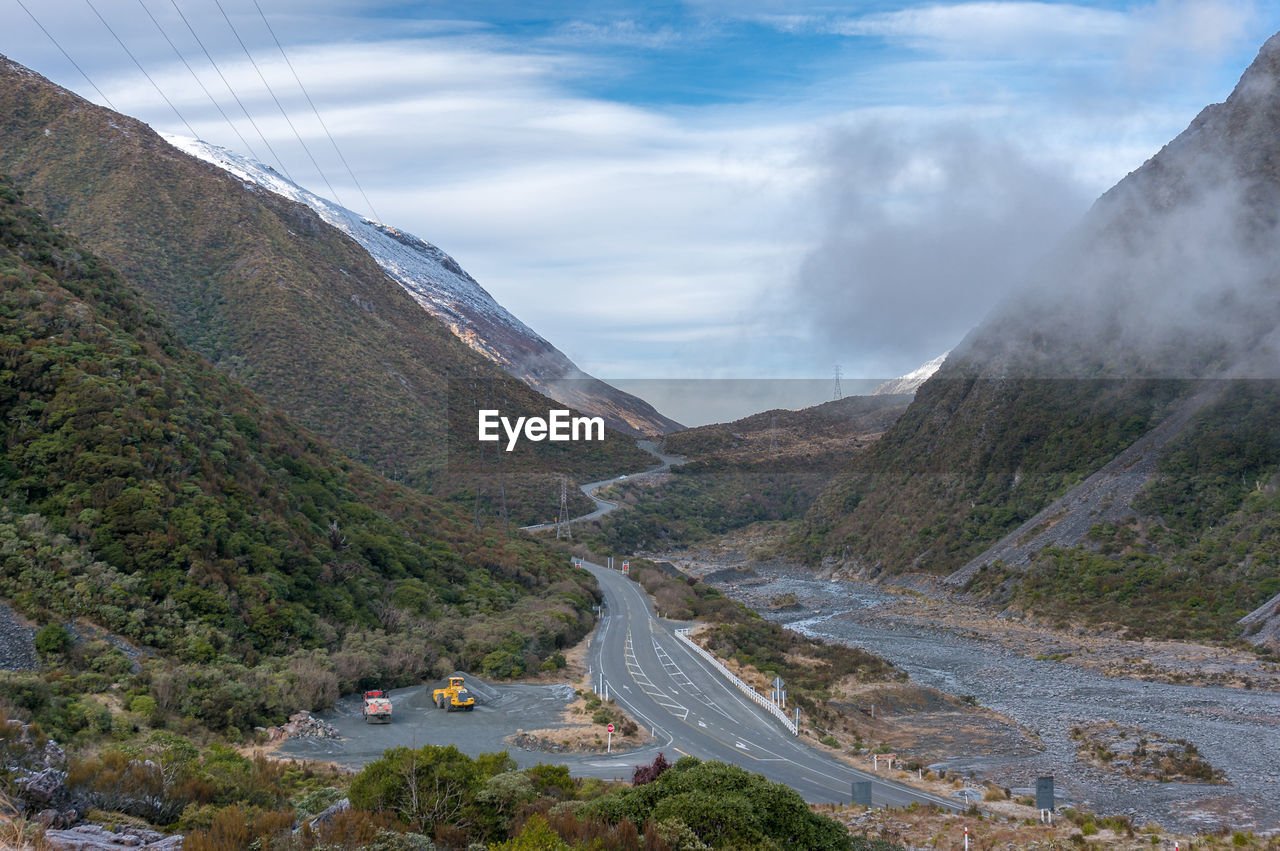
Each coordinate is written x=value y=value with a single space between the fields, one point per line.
x=563 y=527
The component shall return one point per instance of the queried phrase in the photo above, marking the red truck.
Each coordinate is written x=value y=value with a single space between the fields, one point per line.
x=377 y=708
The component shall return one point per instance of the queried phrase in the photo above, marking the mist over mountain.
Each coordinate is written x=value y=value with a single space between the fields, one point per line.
x=1172 y=280
x=1175 y=272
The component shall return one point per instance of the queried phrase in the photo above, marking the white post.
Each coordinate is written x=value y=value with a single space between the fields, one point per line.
x=609 y=747
x=966 y=839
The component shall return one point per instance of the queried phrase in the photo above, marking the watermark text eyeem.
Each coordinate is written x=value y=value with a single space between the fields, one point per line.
x=557 y=426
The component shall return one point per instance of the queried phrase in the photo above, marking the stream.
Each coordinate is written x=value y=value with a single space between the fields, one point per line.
x=1236 y=730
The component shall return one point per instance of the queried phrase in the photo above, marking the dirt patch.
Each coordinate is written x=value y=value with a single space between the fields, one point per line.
x=1142 y=754
x=920 y=723
x=583 y=728
x=1013 y=826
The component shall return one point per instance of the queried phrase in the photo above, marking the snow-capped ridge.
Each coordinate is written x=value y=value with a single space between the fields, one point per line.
x=440 y=285
x=910 y=383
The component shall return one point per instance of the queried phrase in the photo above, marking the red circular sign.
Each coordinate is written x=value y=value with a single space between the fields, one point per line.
x=610 y=728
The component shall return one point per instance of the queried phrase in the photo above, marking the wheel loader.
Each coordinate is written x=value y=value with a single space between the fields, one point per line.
x=454 y=697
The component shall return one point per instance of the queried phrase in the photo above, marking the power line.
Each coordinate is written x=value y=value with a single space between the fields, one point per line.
x=240 y=103
x=199 y=82
x=67 y=55
x=288 y=121
x=140 y=68
x=324 y=126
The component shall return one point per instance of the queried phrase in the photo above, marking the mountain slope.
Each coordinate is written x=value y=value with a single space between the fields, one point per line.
x=274 y=296
x=1172 y=280
x=148 y=493
x=443 y=289
x=910 y=382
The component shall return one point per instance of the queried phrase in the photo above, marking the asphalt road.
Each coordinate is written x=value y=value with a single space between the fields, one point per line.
x=693 y=710
x=604 y=506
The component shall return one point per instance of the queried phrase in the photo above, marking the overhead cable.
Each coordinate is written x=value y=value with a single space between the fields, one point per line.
x=324 y=126
x=288 y=121
x=140 y=68
x=254 y=124
x=67 y=55
x=195 y=77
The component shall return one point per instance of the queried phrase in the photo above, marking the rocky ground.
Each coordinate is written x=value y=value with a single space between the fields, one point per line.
x=922 y=602
x=302 y=725
x=17 y=646
x=1049 y=682
x=1142 y=754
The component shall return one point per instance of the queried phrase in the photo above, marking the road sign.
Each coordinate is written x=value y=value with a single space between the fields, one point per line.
x=1044 y=793
x=609 y=728
x=626 y=567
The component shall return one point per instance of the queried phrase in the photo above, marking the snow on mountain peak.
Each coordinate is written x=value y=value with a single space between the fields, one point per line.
x=910 y=382
x=429 y=275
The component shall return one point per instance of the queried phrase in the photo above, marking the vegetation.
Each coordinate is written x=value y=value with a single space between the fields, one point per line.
x=285 y=305
x=1204 y=553
x=766 y=467
x=148 y=494
x=724 y=806
x=951 y=477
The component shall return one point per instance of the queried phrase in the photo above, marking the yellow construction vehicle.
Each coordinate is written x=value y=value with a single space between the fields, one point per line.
x=454 y=697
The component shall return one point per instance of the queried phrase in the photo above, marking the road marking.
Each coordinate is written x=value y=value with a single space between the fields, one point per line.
x=648 y=686
x=679 y=676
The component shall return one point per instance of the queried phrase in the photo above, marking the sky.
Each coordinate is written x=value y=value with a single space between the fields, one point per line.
x=700 y=189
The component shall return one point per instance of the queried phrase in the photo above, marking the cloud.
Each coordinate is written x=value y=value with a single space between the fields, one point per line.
x=642 y=239
x=1144 y=36
x=1018 y=29
x=924 y=230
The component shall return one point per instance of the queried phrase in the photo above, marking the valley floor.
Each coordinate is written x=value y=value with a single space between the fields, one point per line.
x=966 y=651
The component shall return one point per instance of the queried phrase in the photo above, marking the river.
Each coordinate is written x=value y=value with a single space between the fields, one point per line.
x=1236 y=730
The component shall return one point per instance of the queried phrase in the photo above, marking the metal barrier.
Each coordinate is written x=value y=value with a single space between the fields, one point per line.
x=766 y=703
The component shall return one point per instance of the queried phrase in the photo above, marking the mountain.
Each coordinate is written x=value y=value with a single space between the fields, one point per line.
x=1152 y=331
x=910 y=383
x=283 y=302
x=765 y=467
x=436 y=282
x=147 y=494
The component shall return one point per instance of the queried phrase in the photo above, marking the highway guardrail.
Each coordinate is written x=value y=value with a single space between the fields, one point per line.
x=766 y=703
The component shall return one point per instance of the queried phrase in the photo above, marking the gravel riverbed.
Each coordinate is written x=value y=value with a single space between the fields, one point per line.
x=1236 y=730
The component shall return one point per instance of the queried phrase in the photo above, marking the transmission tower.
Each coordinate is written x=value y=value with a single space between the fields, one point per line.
x=563 y=527
x=838 y=394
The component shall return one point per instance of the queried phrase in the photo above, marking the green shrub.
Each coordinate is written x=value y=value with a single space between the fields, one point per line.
x=52 y=640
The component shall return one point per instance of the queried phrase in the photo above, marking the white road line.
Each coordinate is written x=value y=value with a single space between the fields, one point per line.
x=679 y=676
x=647 y=685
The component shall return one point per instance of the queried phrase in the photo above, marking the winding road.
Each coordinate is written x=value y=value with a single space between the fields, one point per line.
x=693 y=710
x=690 y=708
x=604 y=506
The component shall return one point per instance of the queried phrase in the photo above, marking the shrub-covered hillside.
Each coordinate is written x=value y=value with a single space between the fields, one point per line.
x=145 y=492
x=273 y=296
